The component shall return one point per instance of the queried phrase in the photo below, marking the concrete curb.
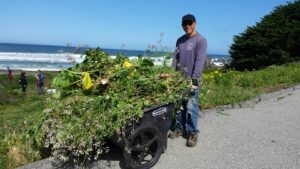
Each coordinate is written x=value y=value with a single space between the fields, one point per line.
x=252 y=102
x=42 y=164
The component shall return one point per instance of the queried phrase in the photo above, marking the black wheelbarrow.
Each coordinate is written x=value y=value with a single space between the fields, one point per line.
x=144 y=141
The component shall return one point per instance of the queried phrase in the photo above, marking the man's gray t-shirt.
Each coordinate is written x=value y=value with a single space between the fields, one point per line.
x=190 y=55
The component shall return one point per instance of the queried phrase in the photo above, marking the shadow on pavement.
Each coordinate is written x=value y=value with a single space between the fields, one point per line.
x=112 y=160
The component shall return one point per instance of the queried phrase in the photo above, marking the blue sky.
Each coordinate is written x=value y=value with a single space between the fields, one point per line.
x=132 y=24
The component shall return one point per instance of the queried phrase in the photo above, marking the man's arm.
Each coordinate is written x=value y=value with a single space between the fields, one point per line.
x=175 y=57
x=200 y=59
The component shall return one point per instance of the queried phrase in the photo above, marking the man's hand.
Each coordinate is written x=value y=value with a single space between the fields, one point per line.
x=194 y=84
x=194 y=87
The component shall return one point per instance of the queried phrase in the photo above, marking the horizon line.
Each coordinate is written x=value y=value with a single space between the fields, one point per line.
x=90 y=47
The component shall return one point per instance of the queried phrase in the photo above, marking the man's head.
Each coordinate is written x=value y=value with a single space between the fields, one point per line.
x=189 y=24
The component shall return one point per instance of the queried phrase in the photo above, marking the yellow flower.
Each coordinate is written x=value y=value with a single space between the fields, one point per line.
x=127 y=64
x=216 y=72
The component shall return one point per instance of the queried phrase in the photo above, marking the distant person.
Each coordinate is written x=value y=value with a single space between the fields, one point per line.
x=189 y=59
x=40 y=81
x=9 y=74
x=23 y=82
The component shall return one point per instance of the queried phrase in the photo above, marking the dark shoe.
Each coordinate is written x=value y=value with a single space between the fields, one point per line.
x=192 y=140
x=175 y=134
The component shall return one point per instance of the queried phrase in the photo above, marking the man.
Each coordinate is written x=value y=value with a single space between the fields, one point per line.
x=23 y=82
x=40 y=82
x=189 y=58
x=9 y=74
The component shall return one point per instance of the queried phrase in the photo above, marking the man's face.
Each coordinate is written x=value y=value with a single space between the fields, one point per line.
x=189 y=26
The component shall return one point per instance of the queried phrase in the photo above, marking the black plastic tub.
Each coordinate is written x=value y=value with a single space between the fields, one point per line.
x=144 y=141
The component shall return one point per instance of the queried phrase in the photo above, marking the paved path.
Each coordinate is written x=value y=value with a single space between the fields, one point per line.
x=264 y=136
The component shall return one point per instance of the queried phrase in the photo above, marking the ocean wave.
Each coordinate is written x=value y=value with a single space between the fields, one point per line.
x=15 y=65
x=42 y=57
x=51 y=62
x=35 y=69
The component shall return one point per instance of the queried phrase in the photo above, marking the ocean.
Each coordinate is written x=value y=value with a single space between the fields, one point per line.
x=52 y=58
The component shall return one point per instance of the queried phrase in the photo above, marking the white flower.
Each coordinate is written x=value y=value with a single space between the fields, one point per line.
x=48 y=110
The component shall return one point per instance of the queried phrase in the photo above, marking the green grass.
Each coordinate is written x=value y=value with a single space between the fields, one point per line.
x=230 y=86
x=18 y=112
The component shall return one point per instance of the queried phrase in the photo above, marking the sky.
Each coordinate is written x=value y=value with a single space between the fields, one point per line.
x=127 y=24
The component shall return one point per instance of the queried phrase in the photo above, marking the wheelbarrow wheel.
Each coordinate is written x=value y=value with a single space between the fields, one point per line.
x=143 y=147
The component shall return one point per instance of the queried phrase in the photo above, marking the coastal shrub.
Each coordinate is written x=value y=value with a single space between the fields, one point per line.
x=274 y=40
